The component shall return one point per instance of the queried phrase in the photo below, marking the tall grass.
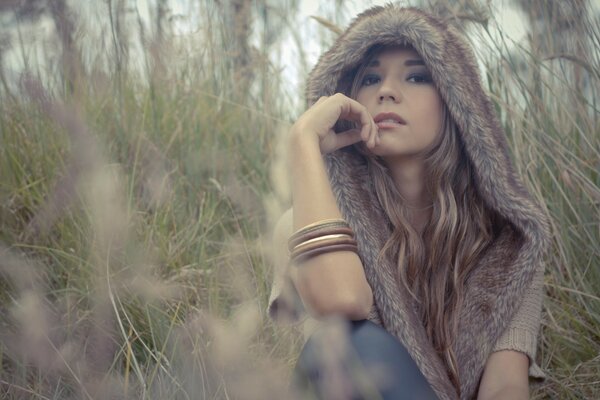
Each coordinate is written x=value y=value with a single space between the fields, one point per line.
x=132 y=223
x=136 y=207
x=547 y=94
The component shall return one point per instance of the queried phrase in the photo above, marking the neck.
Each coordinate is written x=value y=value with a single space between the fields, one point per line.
x=409 y=176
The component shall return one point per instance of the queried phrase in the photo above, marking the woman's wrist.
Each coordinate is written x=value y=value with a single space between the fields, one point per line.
x=303 y=141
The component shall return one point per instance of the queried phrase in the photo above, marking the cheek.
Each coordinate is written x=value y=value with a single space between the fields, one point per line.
x=362 y=97
x=360 y=100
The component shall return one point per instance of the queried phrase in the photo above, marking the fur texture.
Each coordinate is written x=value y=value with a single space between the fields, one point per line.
x=500 y=279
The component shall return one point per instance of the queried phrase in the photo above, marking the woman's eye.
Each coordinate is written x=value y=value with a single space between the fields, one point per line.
x=420 y=78
x=370 y=80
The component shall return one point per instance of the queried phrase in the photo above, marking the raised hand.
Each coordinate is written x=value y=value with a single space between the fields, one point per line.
x=318 y=121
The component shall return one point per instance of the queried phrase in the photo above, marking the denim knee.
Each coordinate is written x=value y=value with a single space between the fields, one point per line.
x=372 y=342
x=380 y=356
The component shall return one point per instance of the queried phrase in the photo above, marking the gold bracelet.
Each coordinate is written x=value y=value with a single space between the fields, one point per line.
x=325 y=238
x=334 y=230
x=320 y=224
x=323 y=241
x=319 y=228
x=324 y=249
x=323 y=221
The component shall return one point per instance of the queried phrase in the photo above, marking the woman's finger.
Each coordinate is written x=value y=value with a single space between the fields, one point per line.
x=353 y=110
x=375 y=132
x=365 y=131
x=371 y=137
x=346 y=138
x=321 y=99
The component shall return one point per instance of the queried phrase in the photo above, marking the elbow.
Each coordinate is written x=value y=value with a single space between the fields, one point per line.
x=324 y=291
x=351 y=306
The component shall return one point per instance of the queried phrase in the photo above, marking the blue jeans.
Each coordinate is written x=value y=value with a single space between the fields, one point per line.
x=372 y=364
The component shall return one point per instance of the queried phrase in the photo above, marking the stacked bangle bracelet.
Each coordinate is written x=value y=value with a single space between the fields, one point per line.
x=321 y=237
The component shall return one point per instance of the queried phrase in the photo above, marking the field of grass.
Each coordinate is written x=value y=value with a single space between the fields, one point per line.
x=136 y=209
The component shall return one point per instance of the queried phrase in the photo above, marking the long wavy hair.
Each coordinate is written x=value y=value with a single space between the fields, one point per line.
x=433 y=265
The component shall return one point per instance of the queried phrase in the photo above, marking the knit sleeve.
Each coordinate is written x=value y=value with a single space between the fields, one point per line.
x=522 y=332
x=284 y=305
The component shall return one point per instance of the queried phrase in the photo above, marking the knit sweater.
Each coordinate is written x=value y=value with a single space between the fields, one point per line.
x=285 y=306
x=503 y=292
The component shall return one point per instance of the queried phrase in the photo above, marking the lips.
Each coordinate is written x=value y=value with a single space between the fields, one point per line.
x=388 y=120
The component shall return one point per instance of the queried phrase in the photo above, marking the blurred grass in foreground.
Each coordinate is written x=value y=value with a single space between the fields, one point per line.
x=136 y=216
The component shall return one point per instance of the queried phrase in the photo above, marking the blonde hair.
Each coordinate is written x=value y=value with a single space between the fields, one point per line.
x=433 y=266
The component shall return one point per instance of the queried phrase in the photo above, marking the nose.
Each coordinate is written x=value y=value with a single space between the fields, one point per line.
x=387 y=91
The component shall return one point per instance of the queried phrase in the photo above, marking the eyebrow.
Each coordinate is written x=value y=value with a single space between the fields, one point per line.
x=408 y=63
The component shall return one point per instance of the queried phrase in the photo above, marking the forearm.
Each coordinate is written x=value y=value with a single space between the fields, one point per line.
x=312 y=197
x=332 y=282
x=507 y=393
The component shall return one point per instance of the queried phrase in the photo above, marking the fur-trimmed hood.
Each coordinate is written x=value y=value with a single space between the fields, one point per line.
x=497 y=284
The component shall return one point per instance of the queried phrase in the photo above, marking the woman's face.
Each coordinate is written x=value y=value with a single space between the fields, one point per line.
x=398 y=92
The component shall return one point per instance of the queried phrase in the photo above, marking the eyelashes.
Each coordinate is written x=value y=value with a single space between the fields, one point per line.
x=421 y=78
x=371 y=79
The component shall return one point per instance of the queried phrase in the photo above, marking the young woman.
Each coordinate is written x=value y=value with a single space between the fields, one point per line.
x=408 y=218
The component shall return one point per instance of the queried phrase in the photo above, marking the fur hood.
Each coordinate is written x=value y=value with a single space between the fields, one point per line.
x=498 y=282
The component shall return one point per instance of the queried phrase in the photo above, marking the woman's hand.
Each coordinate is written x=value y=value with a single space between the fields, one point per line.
x=317 y=123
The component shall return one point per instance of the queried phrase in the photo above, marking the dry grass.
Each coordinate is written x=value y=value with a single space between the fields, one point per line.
x=136 y=206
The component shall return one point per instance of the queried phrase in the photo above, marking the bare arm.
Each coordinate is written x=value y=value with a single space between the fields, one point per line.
x=332 y=282
x=505 y=377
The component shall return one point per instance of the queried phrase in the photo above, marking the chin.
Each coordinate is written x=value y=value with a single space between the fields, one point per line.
x=387 y=152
